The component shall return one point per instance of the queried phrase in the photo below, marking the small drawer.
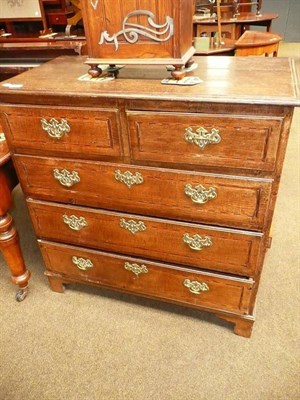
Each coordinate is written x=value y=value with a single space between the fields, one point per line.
x=161 y=281
x=201 y=246
x=83 y=133
x=221 y=200
x=57 y=18
x=245 y=142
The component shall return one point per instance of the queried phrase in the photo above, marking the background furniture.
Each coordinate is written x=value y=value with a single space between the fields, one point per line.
x=31 y=43
x=17 y=56
x=226 y=48
x=116 y=203
x=232 y=5
x=209 y=7
x=233 y=29
x=9 y=242
x=58 y=12
x=236 y=17
x=253 y=43
x=159 y=33
x=54 y=16
x=206 y=8
x=14 y=13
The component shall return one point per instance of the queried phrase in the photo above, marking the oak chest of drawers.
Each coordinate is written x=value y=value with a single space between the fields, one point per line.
x=163 y=191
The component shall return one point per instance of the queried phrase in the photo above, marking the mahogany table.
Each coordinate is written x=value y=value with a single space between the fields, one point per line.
x=9 y=241
x=234 y=27
x=18 y=55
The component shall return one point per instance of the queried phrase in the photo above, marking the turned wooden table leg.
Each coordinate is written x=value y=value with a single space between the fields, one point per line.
x=10 y=248
x=9 y=240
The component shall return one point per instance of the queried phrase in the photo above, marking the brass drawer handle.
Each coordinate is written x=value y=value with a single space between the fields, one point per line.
x=128 y=178
x=75 y=223
x=195 y=287
x=197 y=242
x=2 y=137
x=132 y=225
x=202 y=137
x=65 y=177
x=54 y=128
x=136 y=268
x=200 y=194
x=82 y=263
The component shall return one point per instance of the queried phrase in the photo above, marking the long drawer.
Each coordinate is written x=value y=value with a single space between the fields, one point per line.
x=220 y=249
x=167 y=282
x=245 y=142
x=89 y=132
x=222 y=200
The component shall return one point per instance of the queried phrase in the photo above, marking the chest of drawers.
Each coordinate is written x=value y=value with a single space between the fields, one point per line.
x=161 y=191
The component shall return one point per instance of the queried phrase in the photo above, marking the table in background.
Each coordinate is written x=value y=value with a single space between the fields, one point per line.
x=233 y=27
x=9 y=241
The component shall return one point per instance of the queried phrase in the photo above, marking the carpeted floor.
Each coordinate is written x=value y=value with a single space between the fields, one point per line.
x=93 y=344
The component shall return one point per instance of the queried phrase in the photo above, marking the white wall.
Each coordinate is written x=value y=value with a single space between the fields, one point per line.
x=288 y=23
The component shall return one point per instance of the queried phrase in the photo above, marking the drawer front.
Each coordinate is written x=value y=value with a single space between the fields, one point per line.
x=210 y=140
x=173 y=194
x=189 y=244
x=161 y=281
x=57 y=19
x=85 y=133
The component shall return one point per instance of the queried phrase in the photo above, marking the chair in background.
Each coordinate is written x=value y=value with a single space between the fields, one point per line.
x=254 y=43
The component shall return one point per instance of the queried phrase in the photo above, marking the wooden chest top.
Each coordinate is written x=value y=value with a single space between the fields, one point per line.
x=269 y=81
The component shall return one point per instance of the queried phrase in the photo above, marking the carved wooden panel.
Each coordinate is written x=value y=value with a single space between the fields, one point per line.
x=138 y=28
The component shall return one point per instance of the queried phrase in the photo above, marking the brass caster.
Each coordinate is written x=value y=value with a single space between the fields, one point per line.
x=21 y=294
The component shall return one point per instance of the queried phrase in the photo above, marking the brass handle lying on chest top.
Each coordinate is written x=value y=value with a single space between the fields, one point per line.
x=75 y=223
x=82 y=263
x=202 y=137
x=195 y=287
x=197 y=242
x=66 y=178
x=128 y=178
x=200 y=194
x=136 y=268
x=54 y=128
